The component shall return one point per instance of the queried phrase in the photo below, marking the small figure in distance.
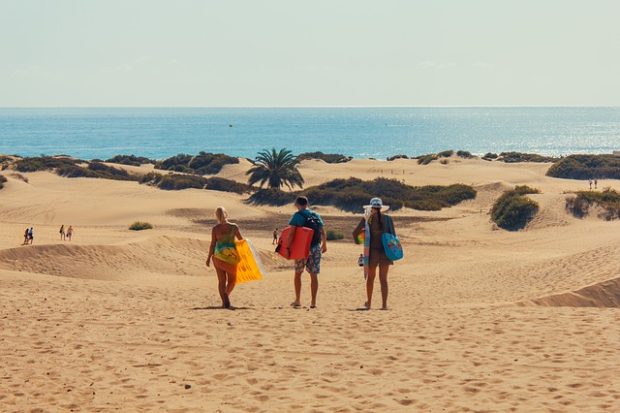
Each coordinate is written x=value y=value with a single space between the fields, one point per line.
x=31 y=235
x=69 y=232
x=26 y=236
x=275 y=237
x=63 y=236
x=595 y=183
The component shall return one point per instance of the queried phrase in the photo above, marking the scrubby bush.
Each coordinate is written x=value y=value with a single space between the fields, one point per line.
x=395 y=157
x=515 y=157
x=489 y=156
x=513 y=210
x=464 y=154
x=95 y=170
x=426 y=159
x=351 y=194
x=226 y=185
x=2 y=181
x=272 y=196
x=444 y=161
x=140 y=226
x=176 y=182
x=44 y=163
x=326 y=157
x=586 y=167
x=608 y=201
x=333 y=235
x=202 y=164
x=446 y=154
x=131 y=160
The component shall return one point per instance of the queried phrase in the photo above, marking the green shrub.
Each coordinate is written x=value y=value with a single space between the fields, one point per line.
x=131 y=160
x=489 y=156
x=513 y=210
x=426 y=159
x=226 y=185
x=95 y=170
x=586 y=167
x=446 y=154
x=2 y=181
x=333 y=235
x=202 y=164
x=272 y=196
x=395 y=157
x=176 y=182
x=514 y=157
x=140 y=226
x=44 y=163
x=352 y=194
x=326 y=157
x=608 y=200
x=464 y=154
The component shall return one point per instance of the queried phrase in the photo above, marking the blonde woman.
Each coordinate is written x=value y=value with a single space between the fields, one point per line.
x=224 y=254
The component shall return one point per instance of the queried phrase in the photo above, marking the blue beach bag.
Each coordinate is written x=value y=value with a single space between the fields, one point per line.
x=391 y=243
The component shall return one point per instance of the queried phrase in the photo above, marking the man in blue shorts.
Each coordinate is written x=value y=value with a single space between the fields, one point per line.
x=304 y=217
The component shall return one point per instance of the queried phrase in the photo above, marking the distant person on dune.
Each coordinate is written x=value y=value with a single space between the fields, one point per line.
x=378 y=224
x=63 y=236
x=31 y=235
x=26 y=236
x=224 y=254
x=70 y=232
x=304 y=217
x=275 y=237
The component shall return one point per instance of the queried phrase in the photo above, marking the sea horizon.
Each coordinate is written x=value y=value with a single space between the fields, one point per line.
x=359 y=132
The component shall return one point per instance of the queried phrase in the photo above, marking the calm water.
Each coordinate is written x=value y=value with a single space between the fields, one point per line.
x=364 y=132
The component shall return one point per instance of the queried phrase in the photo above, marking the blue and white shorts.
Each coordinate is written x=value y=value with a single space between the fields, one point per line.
x=313 y=263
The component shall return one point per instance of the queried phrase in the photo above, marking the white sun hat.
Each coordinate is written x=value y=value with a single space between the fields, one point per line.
x=377 y=203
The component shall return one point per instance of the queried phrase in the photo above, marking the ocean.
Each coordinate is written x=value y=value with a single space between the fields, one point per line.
x=157 y=133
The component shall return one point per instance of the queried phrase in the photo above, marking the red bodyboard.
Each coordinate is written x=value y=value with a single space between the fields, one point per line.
x=300 y=248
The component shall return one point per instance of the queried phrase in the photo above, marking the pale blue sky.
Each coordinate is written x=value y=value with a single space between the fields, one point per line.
x=309 y=53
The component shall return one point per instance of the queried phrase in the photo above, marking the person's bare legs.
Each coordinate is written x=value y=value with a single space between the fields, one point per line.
x=314 y=288
x=370 y=283
x=297 y=282
x=383 y=278
x=221 y=287
x=232 y=281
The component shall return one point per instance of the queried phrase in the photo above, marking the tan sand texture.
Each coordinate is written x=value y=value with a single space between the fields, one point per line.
x=480 y=319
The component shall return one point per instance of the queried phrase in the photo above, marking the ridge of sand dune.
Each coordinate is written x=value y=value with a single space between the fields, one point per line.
x=602 y=294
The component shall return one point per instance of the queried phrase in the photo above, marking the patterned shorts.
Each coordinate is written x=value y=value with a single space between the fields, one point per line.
x=312 y=264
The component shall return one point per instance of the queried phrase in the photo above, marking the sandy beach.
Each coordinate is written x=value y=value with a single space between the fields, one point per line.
x=480 y=319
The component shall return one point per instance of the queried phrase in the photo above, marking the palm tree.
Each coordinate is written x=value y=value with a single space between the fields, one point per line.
x=276 y=169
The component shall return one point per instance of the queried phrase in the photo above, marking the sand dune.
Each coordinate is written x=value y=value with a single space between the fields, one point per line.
x=481 y=319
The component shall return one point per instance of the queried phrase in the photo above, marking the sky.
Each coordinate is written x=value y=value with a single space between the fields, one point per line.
x=281 y=53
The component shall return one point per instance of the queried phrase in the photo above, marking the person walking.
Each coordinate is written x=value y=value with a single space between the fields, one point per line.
x=31 y=235
x=26 y=236
x=374 y=227
x=305 y=217
x=69 y=232
x=275 y=237
x=223 y=253
x=63 y=236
